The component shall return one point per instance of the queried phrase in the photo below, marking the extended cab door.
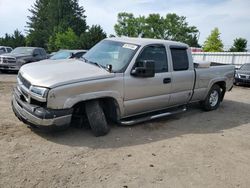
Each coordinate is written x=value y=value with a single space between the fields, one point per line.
x=182 y=75
x=148 y=94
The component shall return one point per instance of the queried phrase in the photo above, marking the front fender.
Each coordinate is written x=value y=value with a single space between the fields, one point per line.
x=70 y=102
x=23 y=61
x=20 y=62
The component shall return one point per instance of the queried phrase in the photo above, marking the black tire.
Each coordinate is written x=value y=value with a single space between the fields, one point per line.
x=79 y=117
x=212 y=101
x=97 y=119
x=236 y=83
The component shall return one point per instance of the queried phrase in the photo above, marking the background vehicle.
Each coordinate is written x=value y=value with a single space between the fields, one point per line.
x=5 y=49
x=68 y=54
x=125 y=80
x=20 y=56
x=242 y=75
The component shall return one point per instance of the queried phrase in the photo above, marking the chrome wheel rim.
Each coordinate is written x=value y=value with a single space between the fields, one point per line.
x=214 y=97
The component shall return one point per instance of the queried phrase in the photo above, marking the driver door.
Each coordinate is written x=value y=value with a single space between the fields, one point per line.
x=148 y=94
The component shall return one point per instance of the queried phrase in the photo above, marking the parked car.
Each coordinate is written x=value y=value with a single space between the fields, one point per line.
x=68 y=54
x=20 y=56
x=242 y=75
x=125 y=80
x=5 y=49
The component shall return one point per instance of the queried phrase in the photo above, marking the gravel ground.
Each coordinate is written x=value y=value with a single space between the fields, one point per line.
x=193 y=149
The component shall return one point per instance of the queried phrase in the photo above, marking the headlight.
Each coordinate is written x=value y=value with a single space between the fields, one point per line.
x=39 y=91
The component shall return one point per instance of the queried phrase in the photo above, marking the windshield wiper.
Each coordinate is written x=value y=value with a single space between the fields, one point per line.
x=94 y=63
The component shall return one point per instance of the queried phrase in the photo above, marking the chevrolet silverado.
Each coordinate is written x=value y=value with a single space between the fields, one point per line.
x=125 y=80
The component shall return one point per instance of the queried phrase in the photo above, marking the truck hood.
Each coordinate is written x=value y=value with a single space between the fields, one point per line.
x=17 y=56
x=53 y=73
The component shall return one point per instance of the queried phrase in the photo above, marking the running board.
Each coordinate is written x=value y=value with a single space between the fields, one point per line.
x=131 y=121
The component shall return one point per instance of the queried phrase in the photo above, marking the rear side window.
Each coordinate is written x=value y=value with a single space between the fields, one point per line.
x=180 y=59
x=157 y=53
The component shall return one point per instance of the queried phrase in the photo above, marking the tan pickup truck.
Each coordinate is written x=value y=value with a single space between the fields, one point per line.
x=126 y=80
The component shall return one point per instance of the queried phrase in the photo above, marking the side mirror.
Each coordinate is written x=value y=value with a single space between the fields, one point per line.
x=144 y=69
x=72 y=55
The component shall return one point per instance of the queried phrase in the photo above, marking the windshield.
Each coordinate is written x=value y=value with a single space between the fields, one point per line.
x=61 y=55
x=22 y=50
x=113 y=53
x=245 y=67
x=2 y=50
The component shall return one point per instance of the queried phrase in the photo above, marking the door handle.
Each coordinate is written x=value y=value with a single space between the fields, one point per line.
x=166 y=80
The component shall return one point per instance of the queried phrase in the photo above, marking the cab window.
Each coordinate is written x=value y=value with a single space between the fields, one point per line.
x=156 y=53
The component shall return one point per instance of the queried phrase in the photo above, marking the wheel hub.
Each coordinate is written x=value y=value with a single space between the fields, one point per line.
x=214 y=97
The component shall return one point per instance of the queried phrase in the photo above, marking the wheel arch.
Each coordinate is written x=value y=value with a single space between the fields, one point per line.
x=110 y=105
x=221 y=83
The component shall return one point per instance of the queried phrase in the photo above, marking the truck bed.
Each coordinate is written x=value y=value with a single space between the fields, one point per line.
x=205 y=77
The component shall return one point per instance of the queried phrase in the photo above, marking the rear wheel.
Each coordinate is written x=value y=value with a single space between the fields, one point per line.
x=213 y=99
x=97 y=119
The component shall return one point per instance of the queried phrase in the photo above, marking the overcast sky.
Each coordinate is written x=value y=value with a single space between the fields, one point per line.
x=232 y=17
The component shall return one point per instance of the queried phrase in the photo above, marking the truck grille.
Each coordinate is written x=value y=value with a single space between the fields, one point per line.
x=24 y=93
x=244 y=76
x=8 y=60
x=25 y=82
x=23 y=89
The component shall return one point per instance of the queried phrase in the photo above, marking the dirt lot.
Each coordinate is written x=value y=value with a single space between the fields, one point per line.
x=193 y=149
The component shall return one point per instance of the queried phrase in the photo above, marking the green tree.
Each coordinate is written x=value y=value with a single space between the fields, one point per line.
x=92 y=37
x=127 y=25
x=170 y=27
x=49 y=16
x=14 y=40
x=193 y=41
x=18 y=39
x=51 y=46
x=153 y=26
x=213 y=42
x=177 y=29
x=240 y=45
x=66 y=40
x=6 y=40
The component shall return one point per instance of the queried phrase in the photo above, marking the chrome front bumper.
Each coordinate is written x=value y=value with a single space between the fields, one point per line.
x=38 y=116
x=9 y=67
